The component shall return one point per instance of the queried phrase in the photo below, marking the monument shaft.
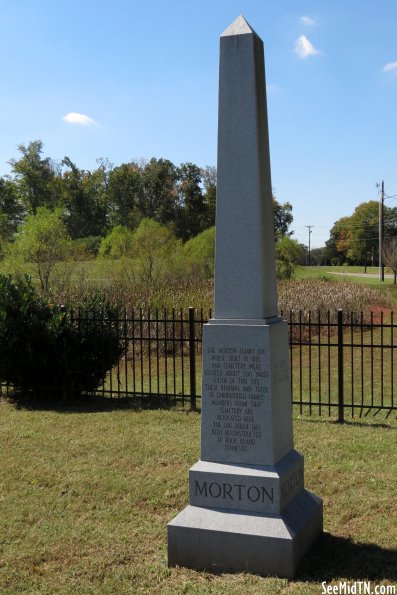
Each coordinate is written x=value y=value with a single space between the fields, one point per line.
x=245 y=276
x=249 y=510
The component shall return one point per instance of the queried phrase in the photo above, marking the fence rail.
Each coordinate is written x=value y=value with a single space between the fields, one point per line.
x=341 y=362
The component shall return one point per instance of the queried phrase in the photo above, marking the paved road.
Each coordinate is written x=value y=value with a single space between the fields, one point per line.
x=362 y=275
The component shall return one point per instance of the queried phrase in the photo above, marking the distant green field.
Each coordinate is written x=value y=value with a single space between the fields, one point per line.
x=306 y=272
x=87 y=271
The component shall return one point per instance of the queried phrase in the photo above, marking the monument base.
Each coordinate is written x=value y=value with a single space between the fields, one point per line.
x=219 y=540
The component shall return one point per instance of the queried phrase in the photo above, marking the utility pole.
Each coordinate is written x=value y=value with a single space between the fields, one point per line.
x=382 y=196
x=381 y=230
x=309 y=227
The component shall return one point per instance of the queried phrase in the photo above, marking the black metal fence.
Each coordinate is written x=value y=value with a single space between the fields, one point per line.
x=341 y=363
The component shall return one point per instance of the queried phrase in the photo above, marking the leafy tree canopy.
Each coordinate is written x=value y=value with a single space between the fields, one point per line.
x=153 y=245
x=355 y=238
x=283 y=218
x=289 y=253
x=34 y=177
x=181 y=198
x=200 y=252
x=43 y=240
x=117 y=243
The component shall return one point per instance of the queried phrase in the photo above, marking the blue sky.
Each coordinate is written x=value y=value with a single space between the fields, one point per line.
x=146 y=74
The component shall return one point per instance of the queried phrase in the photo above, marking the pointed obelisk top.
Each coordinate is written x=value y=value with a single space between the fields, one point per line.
x=239 y=27
x=245 y=263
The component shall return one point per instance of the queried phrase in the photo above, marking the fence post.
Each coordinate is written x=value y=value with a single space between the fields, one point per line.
x=192 y=358
x=340 y=369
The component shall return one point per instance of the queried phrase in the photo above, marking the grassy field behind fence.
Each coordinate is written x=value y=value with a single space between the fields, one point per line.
x=86 y=497
x=117 y=278
x=370 y=374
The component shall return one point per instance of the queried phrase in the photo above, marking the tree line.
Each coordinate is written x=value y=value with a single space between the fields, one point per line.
x=93 y=202
x=158 y=215
x=181 y=198
x=354 y=239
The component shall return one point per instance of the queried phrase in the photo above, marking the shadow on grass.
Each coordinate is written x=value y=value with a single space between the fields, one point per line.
x=348 y=422
x=340 y=558
x=96 y=404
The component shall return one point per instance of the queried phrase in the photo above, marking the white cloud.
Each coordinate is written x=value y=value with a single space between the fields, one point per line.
x=390 y=67
x=75 y=118
x=304 y=47
x=308 y=21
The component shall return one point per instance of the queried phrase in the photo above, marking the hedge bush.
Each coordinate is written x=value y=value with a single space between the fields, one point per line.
x=49 y=353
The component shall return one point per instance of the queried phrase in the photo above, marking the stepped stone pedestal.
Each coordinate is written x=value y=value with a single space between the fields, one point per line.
x=249 y=509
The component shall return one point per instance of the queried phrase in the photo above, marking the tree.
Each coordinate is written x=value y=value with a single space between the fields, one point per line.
x=34 y=177
x=288 y=254
x=282 y=214
x=354 y=238
x=11 y=210
x=319 y=256
x=191 y=201
x=96 y=185
x=390 y=223
x=208 y=176
x=363 y=232
x=84 y=200
x=125 y=184
x=337 y=245
x=158 y=197
x=74 y=199
x=153 y=246
x=117 y=243
x=200 y=253
x=43 y=240
x=390 y=255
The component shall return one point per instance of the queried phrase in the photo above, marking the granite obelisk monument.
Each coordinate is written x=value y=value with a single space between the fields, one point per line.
x=249 y=510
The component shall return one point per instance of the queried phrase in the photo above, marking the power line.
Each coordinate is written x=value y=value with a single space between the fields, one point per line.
x=387 y=219
x=373 y=238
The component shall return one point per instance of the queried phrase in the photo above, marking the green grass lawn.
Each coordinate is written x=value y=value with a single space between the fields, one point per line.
x=86 y=497
x=317 y=272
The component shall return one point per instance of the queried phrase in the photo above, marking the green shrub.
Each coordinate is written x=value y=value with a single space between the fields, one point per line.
x=88 y=245
x=49 y=353
x=43 y=241
x=117 y=243
x=154 y=248
x=288 y=254
x=199 y=253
